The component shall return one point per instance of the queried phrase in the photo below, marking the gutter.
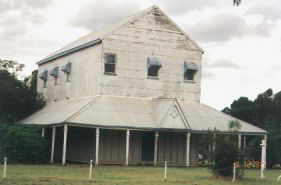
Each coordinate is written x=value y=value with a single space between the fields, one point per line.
x=70 y=51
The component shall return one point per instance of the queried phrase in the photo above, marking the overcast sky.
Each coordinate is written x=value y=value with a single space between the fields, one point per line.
x=242 y=44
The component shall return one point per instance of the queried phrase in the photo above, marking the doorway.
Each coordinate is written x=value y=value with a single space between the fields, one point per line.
x=148 y=146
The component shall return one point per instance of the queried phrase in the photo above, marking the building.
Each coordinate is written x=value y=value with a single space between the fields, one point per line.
x=129 y=94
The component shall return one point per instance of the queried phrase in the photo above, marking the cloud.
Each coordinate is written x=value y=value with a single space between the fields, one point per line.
x=270 y=10
x=225 y=26
x=97 y=14
x=207 y=74
x=179 y=7
x=223 y=63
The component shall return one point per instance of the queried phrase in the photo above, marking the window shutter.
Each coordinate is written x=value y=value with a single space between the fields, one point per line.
x=55 y=72
x=44 y=75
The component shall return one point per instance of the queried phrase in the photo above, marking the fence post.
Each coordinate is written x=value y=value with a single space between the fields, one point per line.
x=165 y=171
x=91 y=169
x=234 y=172
x=5 y=168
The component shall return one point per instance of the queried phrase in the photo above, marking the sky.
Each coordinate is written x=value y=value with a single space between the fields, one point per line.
x=242 y=44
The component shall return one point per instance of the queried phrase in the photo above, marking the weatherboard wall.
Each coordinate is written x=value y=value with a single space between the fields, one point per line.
x=82 y=79
x=133 y=43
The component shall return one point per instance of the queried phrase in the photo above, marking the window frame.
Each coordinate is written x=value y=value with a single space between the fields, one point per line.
x=186 y=69
x=147 y=71
x=106 y=63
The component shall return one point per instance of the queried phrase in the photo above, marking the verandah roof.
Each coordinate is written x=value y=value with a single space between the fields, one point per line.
x=137 y=113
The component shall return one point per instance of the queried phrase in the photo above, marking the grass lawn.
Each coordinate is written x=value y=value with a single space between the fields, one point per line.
x=117 y=175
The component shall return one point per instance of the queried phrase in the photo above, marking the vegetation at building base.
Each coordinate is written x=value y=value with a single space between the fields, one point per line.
x=23 y=144
x=264 y=112
x=225 y=155
x=108 y=175
x=18 y=99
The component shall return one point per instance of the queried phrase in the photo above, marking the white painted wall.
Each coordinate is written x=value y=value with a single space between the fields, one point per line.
x=147 y=35
x=83 y=76
x=142 y=38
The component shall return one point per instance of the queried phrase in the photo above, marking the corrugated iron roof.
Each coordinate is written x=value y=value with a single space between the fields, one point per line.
x=142 y=113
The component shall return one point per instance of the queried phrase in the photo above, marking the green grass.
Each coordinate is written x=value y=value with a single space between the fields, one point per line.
x=118 y=175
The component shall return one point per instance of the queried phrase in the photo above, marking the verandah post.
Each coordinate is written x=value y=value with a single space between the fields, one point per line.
x=97 y=146
x=156 y=147
x=53 y=144
x=239 y=141
x=127 y=146
x=188 y=136
x=65 y=130
x=43 y=132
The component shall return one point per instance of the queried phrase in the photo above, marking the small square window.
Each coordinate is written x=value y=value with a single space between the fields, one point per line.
x=190 y=70
x=189 y=74
x=110 y=64
x=153 y=67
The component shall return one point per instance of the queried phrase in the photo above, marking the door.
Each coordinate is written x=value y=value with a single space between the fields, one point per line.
x=148 y=147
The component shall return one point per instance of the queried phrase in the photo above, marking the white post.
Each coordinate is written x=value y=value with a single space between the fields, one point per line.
x=97 y=146
x=91 y=169
x=5 y=168
x=263 y=157
x=265 y=138
x=245 y=141
x=127 y=147
x=53 y=144
x=156 y=147
x=43 y=132
x=214 y=142
x=165 y=171
x=188 y=135
x=239 y=141
x=234 y=172
x=65 y=129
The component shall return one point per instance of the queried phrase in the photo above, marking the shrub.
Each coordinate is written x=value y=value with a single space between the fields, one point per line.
x=226 y=153
x=23 y=144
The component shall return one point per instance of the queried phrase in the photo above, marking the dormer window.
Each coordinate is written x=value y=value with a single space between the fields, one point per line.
x=153 y=67
x=44 y=76
x=55 y=73
x=110 y=64
x=67 y=70
x=190 y=70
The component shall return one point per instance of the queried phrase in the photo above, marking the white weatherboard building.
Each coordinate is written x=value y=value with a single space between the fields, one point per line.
x=129 y=94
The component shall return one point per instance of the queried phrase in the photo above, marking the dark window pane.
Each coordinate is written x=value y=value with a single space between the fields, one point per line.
x=189 y=74
x=109 y=68
x=153 y=70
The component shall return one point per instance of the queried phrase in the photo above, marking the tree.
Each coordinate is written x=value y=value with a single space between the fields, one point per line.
x=242 y=109
x=236 y=2
x=263 y=112
x=17 y=100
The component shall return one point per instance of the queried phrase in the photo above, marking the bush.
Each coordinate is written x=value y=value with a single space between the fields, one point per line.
x=23 y=144
x=226 y=153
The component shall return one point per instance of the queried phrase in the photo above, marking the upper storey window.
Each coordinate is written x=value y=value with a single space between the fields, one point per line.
x=67 y=70
x=190 y=70
x=110 y=63
x=44 y=76
x=55 y=73
x=153 y=67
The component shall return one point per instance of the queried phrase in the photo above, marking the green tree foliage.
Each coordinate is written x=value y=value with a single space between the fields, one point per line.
x=264 y=112
x=23 y=144
x=17 y=99
x=225 y=155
